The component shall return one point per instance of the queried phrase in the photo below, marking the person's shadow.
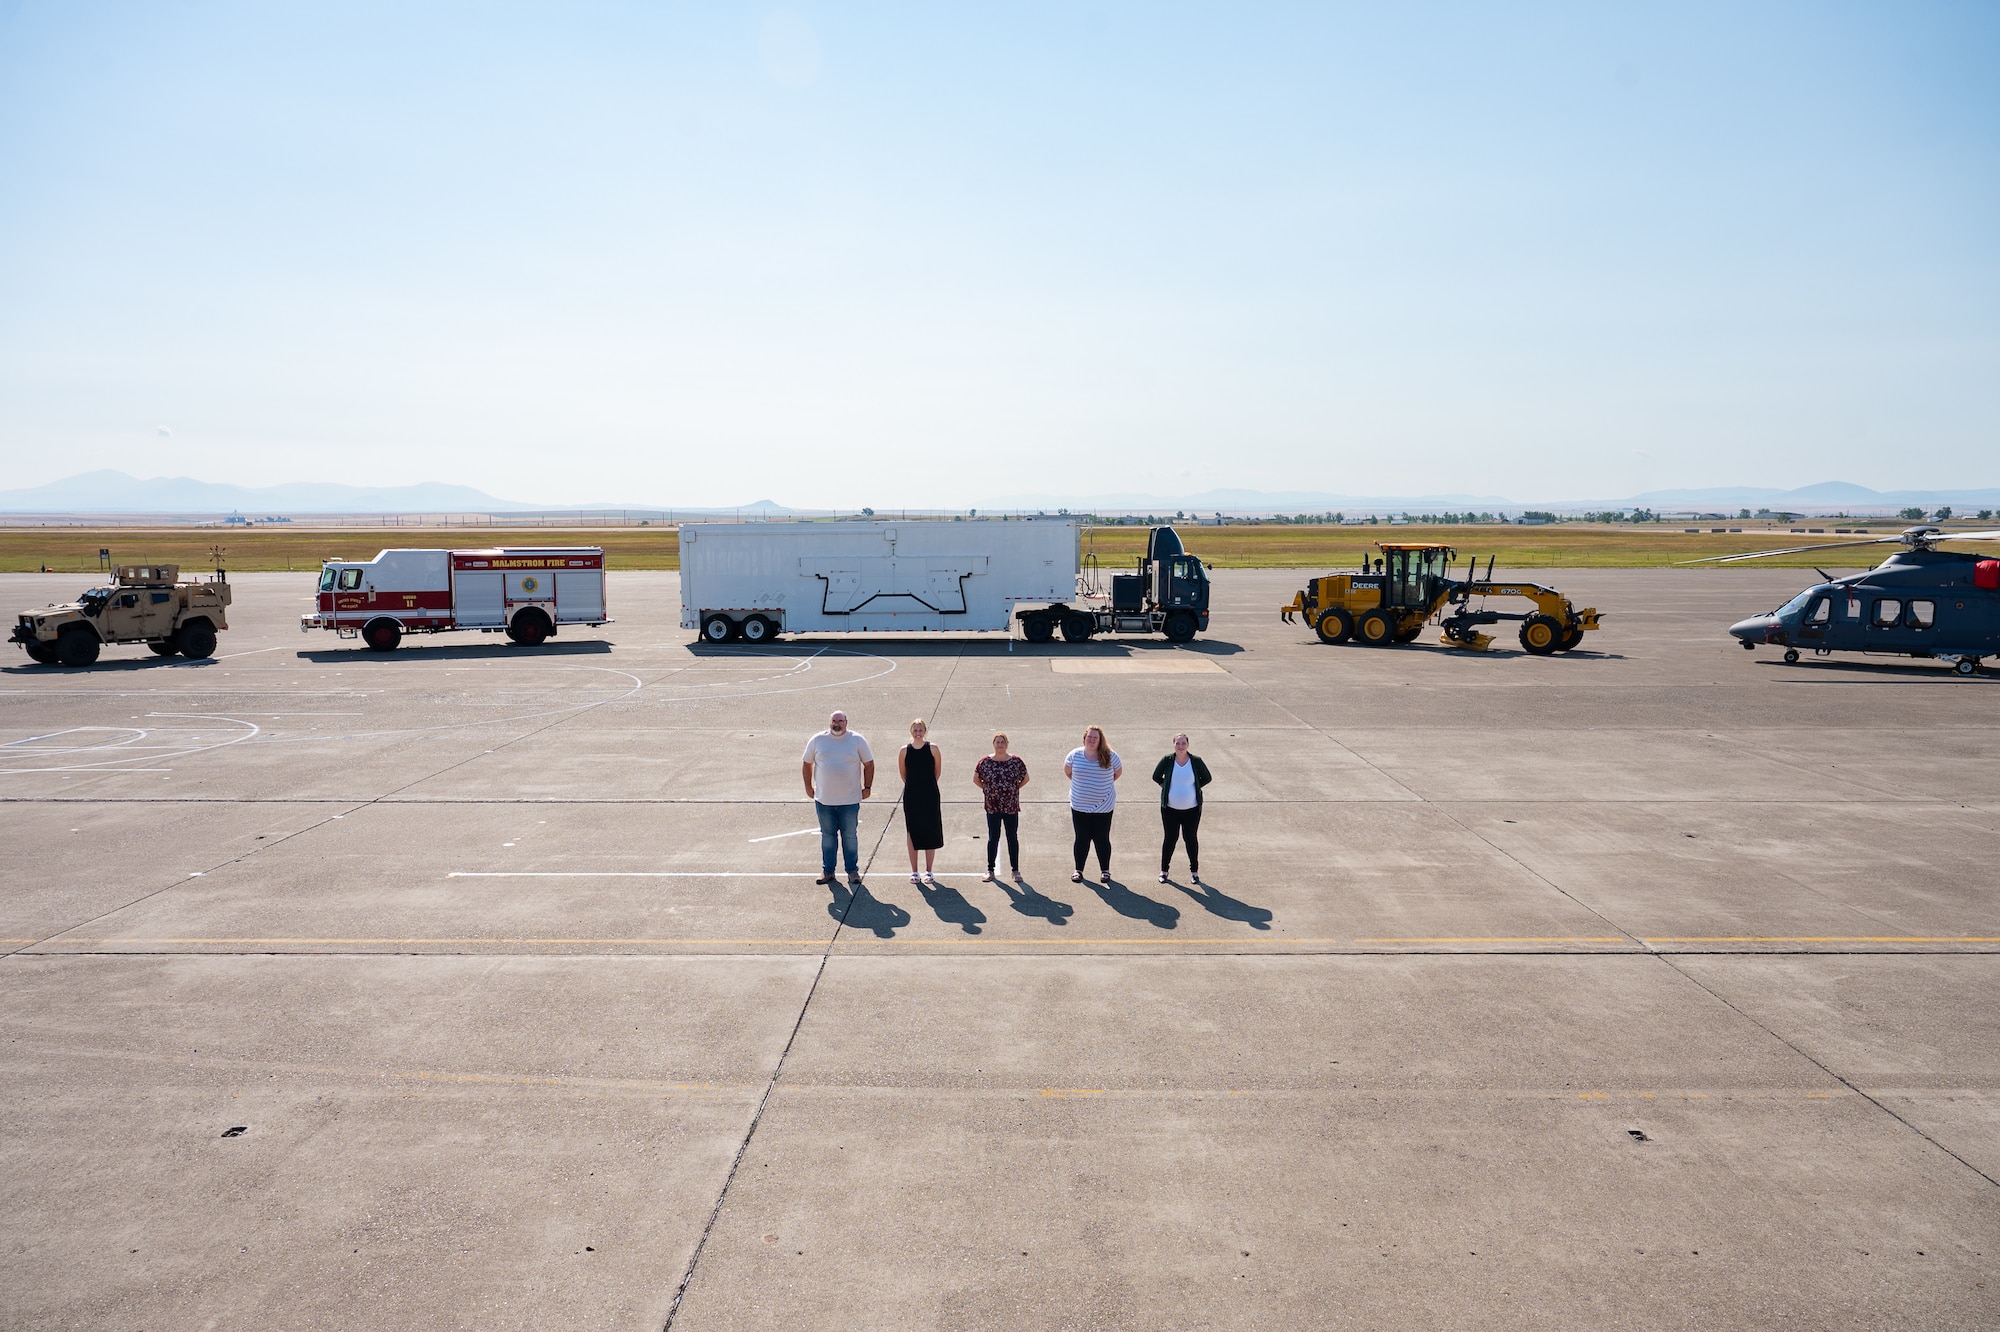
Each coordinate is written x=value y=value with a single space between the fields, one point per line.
x=1137 y=906
x=1029 y=902
x=862 y=910
x=1222 y=904
x=952 y=908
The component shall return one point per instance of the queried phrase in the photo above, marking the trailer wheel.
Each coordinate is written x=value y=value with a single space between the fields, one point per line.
x=1180 y=626
x=1334 y=626
x=1077 y=628
x=163 y=647
x=196 y=640
x=1376 y=628
x=1037 y=628
x=757 y=629
x=1541 y=634
x=77 y=646
x=530 y=627
x=718 y=629
x=381 y=635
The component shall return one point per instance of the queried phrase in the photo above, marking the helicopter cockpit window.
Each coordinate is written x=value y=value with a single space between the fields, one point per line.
x=1821 y=610
x=1887 y=611
x=1797 y=603
x=326 y=577
x=1923 y=614
x=350 y=579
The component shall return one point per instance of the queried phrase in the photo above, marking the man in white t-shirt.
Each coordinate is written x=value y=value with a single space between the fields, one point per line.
x=839 y=769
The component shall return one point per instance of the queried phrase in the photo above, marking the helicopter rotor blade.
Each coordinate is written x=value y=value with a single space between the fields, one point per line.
x=1967 y=536
x=1791 y=550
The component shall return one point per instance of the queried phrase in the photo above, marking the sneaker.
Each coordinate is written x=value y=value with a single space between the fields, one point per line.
x=1196 y=877
x=1104 y=877
x=1018 y=878
x=854 y=881
x=988 y=876
x=1076 y=877
x=826 y=877
x=1163 y=876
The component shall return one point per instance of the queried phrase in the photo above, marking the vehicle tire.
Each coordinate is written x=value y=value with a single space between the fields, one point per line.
x=718 y=629
x=164 y=647
x=1376 y=628
x=757 y=629
x=1037 y=628
x=1410 y=635
x=529 y=629
x=77 y=646
x=1791 y=656
x=195 y=640
x=1180 y=626
x=1966 y=666
x=382 y=635
x=1541 y=634
x=1077 y=628
x=1334 y=626
x=45 y=653
x=1571 y=639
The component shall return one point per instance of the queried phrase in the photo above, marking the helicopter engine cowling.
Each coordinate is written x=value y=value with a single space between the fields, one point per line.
x=1986 y=574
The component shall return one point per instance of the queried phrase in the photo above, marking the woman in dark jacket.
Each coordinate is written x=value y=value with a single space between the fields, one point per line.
x=1180 y=777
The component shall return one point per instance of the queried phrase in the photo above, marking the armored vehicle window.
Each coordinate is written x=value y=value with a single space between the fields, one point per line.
x=350 y=579
x=1923 y=614
x=129 y=599
x=1820 y=611
x=1887 y=611
x=326 y=577
x=159 y=597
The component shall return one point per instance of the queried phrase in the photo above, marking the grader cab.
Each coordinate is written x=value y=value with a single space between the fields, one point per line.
x=1396 y=593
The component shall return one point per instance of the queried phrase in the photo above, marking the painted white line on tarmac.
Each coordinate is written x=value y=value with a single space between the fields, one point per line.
x=777 y=836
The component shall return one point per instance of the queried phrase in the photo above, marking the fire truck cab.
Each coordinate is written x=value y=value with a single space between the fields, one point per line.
x=525 y=592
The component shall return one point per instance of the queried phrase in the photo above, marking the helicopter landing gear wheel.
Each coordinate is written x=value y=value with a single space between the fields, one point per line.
x=1334 y=626
x=1541 y=635
x=1966 y=666
x=1791 y=656
x=1376 y=628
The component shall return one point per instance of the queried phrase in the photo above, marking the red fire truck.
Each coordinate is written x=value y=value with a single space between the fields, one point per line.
x=525 y=592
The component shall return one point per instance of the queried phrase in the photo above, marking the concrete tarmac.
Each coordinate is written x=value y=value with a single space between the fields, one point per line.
x=477 y=986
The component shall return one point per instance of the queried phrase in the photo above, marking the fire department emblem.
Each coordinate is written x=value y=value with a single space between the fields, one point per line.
x=530 y=583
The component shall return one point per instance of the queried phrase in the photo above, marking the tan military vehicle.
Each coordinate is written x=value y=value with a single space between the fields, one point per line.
x=146 y=603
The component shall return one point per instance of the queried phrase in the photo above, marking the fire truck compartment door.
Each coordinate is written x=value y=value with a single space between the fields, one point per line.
x=476 y=599
x=526 y=585
x=580 y=594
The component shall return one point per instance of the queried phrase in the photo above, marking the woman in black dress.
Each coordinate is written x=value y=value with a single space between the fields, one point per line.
x=923 y=814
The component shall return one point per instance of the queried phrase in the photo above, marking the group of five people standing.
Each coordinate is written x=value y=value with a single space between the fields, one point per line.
x=839 y=772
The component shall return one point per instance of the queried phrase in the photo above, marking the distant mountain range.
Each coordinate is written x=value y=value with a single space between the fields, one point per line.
x=111 y=492
x=118 y=492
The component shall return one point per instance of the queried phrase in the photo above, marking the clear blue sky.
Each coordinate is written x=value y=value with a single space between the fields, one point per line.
x=926 y=255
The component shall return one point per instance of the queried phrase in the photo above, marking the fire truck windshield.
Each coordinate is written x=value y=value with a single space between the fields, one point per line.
x=326 y=576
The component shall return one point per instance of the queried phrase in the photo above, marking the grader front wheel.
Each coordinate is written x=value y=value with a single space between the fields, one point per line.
x=1541 y=635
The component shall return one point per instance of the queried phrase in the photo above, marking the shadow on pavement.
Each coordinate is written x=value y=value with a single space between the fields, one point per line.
x=952 y=908
x=464 y=651
x=1137 y=906
x=1024 y=899
x=1221 y=904
x=862 y=910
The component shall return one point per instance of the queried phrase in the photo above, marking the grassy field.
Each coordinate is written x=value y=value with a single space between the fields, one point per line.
x=1570 y=545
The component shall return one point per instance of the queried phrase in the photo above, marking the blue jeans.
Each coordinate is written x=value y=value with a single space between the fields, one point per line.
x=838 y=823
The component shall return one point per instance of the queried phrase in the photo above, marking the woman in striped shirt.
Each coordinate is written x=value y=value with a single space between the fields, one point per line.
x=1093 y=769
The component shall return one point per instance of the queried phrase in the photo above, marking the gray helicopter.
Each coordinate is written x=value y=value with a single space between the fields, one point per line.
x=1920 y=602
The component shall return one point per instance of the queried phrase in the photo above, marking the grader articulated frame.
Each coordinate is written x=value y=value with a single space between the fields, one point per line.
x=1410 y=583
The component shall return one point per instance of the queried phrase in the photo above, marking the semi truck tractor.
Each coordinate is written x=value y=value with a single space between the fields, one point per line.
x=754 y=581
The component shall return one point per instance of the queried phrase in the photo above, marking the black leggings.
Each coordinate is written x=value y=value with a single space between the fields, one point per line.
x=1180 y=823
x=1012 y=823
x=1092 y=829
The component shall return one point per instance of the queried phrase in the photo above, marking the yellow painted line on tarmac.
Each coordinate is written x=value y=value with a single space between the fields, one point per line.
x=1825 y=938
x=1515 y=938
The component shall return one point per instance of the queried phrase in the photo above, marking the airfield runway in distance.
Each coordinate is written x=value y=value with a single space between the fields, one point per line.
x=477 y=985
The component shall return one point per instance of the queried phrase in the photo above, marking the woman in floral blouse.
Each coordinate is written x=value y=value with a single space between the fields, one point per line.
x=1001 y=776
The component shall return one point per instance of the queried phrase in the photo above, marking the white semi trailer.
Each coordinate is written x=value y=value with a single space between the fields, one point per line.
x=753 y=581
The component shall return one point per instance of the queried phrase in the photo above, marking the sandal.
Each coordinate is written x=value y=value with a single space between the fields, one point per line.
x=929 y=882
x=1018 y=878
x=914 y=879
x=1076 y=877
x=1104 y=877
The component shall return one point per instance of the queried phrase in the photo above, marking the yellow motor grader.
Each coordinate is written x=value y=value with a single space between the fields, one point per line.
x=1411 y=582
